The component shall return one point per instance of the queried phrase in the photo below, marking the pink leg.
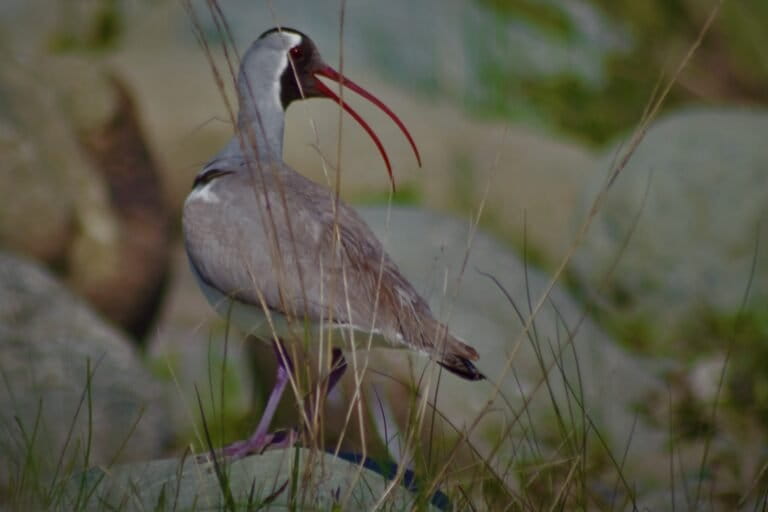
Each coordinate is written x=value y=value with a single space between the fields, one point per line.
x=260 y=438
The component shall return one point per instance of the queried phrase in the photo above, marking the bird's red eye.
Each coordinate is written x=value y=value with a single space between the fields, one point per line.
x=297 y=52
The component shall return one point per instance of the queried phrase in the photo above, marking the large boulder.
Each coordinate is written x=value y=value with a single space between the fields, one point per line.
x=571 y=393
x=79 y=188
x=46 y=182
x=564 y=363
x=71 y=384
x=528 y=182
x=692 y=208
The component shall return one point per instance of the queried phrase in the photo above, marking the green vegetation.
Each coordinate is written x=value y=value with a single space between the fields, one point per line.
x=101 y=31
x=660 y=32
x=406 y=194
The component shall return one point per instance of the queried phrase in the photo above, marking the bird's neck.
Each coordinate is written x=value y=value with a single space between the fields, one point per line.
x=260 y=127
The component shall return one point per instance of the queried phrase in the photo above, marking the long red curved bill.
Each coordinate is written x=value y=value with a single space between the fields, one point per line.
x=334 y=75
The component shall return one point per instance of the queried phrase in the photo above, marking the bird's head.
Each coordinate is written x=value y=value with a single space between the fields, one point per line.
x=288 y=65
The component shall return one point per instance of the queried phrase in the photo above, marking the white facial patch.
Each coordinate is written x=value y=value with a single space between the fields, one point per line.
x=204 y=194
x=291 y=40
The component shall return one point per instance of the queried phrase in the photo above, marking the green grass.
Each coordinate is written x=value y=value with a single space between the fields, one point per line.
x=661 y=31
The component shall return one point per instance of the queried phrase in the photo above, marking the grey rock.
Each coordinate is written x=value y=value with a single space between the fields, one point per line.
x=588 y=367
x=79 y=189
x=63 y=368
x=46 y=182
x=320 y=482
x=706 y=211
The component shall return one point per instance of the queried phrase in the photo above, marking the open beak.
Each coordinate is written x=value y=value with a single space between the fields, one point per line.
x=329 y=72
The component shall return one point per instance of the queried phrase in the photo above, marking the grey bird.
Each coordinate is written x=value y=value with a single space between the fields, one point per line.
x=280 y=255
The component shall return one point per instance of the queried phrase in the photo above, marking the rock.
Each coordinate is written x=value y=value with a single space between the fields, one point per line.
x=529 y=183
x=325 y=482
x=706 y=212
x=591 y=374
x=81 y=190
x=45 y=177
x=70 y=383
x=614 y=402
x=138 y=263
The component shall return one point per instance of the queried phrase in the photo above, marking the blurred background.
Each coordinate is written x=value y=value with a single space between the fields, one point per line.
x=108 y=108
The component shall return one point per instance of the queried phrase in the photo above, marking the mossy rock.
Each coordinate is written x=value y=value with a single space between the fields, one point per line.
x=278 y=479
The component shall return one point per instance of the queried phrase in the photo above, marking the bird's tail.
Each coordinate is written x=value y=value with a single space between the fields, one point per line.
x=457 y=357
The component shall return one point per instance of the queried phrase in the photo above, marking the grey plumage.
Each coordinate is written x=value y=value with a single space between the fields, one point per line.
x=276 y=243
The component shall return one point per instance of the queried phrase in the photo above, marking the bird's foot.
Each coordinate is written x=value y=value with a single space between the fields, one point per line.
x=279 y=439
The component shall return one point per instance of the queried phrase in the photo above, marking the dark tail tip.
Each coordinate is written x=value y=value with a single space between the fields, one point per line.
x=462 y=367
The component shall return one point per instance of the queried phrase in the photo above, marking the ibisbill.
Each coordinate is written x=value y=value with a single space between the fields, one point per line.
x=280 y=255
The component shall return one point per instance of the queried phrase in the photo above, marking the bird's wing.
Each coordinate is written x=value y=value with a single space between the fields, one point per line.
x=384 y=300
x=284 y=244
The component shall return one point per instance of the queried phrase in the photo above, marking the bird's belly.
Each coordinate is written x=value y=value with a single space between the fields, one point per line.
x=253 y=320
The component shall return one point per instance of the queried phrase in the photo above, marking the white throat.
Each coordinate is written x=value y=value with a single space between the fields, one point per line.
x=293 y=40
x=261 y=118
